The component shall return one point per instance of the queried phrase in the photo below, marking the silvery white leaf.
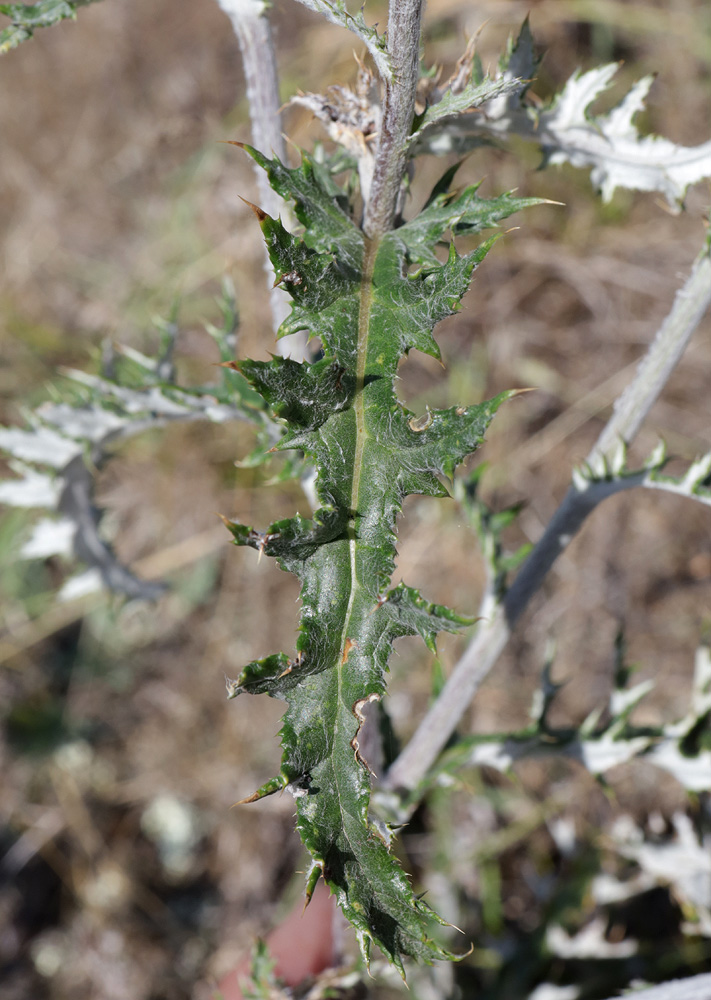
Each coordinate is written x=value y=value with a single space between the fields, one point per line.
x=623 y=700
x=567 y=132
x=90 y=423
x=244 y=8
x=217 y=413
x=88 y=582
x=35 y=489
x=496 y=755
x=41 y=445
x=683 y=862
x=600 y=755
x=570 y=106
x=607 y=890
x=175 y=827
x=693 y=773
x=549 y=991
x=692 y=988
x=698 y=471
x=611 y=145
x=150 y=365
x=152 y=400
x=701 y=693
x=49 y=538
x=619 y=120
x=590 y=942
x=562 y=830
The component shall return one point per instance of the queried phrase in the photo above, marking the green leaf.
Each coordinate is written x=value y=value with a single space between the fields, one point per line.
x=27 y=17
x=39 y=15
x=464 y=214
x=11 y=37
x=453 y=103
x=370 y=451
x=520 y=60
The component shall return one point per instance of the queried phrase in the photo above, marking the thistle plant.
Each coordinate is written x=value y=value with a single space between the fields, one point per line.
x=370 y=299
x=371 y=292
x=353 y=267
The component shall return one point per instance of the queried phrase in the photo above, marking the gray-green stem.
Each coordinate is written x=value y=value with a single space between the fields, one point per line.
x=493 y=632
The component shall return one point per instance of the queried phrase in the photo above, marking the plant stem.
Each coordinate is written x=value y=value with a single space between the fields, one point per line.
x=251 y=25
x=633 y=405
x=404 y=23
x=493 y=633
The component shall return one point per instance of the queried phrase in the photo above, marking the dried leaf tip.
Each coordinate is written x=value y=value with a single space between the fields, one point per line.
x=259 y=212
x=254 y=797
x=312 y=878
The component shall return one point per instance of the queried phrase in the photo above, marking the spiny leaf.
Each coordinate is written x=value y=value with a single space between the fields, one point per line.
x=453 y=103
x=303 y=396
x=337 y=12
x=464 y=214
x=321 y=206
x=370 y=452
x=520 y=60
x=420 y=616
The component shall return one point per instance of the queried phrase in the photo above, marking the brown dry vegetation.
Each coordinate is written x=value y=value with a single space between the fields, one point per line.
x=114 y=198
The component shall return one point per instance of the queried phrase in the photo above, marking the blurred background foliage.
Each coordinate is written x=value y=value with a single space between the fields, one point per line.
x=124 y=872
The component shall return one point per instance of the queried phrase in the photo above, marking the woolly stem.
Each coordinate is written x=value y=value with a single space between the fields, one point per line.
x=404 y=23
x=251 y=26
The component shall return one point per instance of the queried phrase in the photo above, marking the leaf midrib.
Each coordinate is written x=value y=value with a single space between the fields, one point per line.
x=361 y=434
x=364 y=306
